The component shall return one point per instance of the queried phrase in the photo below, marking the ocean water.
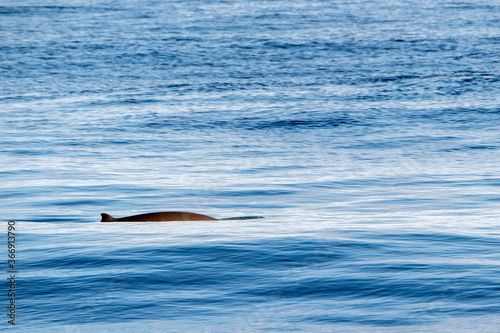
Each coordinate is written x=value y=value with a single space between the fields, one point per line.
x=366 y=132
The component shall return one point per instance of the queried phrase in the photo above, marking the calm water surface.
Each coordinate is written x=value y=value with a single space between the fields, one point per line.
x=366 y=132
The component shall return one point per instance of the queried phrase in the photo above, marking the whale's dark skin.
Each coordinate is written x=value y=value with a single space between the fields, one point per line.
x=158 y=217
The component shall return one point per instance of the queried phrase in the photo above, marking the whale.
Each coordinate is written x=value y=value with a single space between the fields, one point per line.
x=158 y=217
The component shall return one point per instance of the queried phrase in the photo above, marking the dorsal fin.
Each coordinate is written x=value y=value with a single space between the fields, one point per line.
x=107 y=218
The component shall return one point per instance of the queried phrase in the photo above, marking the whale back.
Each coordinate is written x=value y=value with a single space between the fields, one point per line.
x=159 y=217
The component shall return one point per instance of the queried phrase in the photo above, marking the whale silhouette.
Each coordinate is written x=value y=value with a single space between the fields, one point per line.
x=170 y=216
x=158 y=217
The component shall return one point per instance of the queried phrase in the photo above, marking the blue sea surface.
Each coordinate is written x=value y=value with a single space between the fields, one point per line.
x=366 y=132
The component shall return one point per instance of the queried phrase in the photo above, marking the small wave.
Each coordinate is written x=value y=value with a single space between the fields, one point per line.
x=42 y=10
x=470 y=147
x=306 y=123
x=255 y=124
